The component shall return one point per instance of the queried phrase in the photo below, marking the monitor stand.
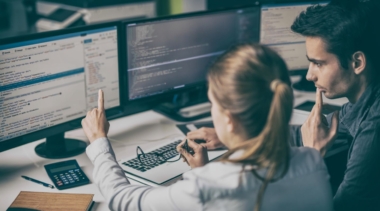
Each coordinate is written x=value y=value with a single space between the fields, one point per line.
x=184 y=114
x=57 y=146
x=186 y=107
x=304 y=85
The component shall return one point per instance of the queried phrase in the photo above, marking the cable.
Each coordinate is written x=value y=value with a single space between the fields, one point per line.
x=173 y=136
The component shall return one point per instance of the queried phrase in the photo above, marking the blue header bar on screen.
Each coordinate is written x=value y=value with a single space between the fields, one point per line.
x=41 y=79
x=58 y=37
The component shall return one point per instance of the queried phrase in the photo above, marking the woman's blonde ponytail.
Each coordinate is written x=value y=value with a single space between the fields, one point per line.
x=252 y=82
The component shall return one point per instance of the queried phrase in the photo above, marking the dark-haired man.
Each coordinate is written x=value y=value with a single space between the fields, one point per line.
x=342 y=43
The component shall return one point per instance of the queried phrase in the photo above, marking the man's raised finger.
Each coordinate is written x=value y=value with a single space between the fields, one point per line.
x=318 y=101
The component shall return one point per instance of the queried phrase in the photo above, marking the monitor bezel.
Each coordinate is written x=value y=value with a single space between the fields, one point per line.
x=76 y=123
x=154 y=100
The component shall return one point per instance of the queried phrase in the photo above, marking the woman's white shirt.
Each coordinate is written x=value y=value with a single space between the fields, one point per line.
x=216 y=186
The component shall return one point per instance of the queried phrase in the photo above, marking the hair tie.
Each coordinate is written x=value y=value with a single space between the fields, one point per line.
x=274 y=84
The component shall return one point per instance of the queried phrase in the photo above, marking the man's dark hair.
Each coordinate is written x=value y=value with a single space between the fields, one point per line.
x=346 y=27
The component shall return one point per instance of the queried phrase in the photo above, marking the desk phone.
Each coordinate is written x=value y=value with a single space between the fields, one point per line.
x=66 y=174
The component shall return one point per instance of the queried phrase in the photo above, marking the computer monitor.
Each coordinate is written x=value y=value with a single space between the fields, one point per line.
x=275 y=32
x=171 y=55
x=49 y=81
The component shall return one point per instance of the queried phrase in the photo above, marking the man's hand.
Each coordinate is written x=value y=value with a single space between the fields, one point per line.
x=208 y=135
x=315 y=131
x=95 y=125
x=200 y=156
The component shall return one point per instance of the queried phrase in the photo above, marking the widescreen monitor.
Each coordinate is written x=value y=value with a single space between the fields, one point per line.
x=173 y=54
x=49 y=81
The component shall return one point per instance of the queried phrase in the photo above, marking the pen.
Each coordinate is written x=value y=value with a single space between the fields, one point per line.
x=187 y=148
x=38 y=182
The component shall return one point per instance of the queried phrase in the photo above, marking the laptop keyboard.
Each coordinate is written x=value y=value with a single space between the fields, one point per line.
x=167 y=152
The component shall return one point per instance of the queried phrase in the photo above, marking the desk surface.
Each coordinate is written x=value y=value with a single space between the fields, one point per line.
x=147 y=129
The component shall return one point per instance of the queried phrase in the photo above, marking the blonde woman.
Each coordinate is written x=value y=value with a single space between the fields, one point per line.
x=251 y=109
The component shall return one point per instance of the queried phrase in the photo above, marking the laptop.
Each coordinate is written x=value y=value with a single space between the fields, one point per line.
x=167 y=166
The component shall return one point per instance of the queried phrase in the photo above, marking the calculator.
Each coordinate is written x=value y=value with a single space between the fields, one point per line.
x=66 y=174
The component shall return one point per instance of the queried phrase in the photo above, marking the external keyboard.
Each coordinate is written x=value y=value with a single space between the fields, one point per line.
x=163 y=154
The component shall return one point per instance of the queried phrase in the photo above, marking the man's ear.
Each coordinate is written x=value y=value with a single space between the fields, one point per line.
x=359 y=62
